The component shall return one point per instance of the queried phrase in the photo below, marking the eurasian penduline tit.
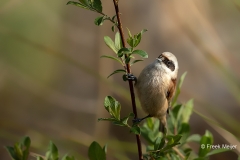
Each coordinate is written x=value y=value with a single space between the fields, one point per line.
x=155 y=87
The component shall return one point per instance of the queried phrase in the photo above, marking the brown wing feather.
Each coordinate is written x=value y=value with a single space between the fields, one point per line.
x=171 y=91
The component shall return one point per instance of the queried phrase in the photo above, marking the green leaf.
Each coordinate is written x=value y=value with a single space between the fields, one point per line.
x=141 y=53
x=170 y=141
x=78 y=5
x=97 y=4
x=135 y=129
x=85 y=2
x=95 y=152
x=135 y=61
x=113 y=28
x=216 y=151
x=118 y=41
x=99 y=20
x=66 y=157
x=52 y=153
x=138 y=37
x=127 y=60
x=177 y=138
x=150 y=123
x=26 y=142
x=206 y=140
x=106 y=119
x=178 y=88
x=110 y=44
x=18 y=150
x=187 y=111
x=130 y=40
x=194 y=138
x=111 y=57
x=184 y=129
x=123 y=51
x=105 y=148
x=169 y=146
x=113 y=107
x=39 y=158
x=157 y=143
x=129 y=33
x=11 y=152
x=125 y=119
x=117 y=71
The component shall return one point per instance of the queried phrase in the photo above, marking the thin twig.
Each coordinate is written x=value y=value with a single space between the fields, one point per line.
x=178 y=152
x=129 y=82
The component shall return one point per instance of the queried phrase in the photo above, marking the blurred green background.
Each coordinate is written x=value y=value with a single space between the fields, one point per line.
x=53 y=83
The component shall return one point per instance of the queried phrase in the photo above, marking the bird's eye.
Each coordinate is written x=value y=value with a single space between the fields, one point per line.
x=169 y=63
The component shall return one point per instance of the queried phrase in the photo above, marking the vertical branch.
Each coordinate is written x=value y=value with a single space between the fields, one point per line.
x=130 y=82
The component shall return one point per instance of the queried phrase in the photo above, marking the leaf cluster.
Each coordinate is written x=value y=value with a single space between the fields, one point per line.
x=125 y=55
x=20 y=151
x=113 y=107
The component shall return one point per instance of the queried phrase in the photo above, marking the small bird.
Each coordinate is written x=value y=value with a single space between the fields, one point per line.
x=155 y=87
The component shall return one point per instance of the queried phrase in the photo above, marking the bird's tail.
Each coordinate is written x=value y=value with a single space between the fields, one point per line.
x=163 y=125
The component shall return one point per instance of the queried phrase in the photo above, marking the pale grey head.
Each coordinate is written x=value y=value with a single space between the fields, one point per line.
x=169 y=63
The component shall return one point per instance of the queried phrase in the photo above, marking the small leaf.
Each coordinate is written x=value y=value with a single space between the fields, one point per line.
x=85 y=2
x=106 y=119
x=66 y=157
x=216 y=151
x=157 y=143
x=99 y=20
x=117 y=71
x=52 y=153
x=138 y=37
x=177 y=138
x=97 y=4
x=123 y=51
x=39 y=158
x=11 y=152
x=187 y=111
x=194 y=138
x=143 y=31
x=113 y=107
x=113 y=28
x=127 y=60
x=125 y=119
x=141 y=53
x=113 y=18
x=169 y=146
x=184 y=129
x=78 y=4
x=135 y=61
x=105 y=148
x=26 y=142
x=110 y=43
x=95 y=152
x=135 y=130
x=111 y=57
x=178 y=88
x=118 y=41
x=129 y=33
x=206 y=140
x=170 y=141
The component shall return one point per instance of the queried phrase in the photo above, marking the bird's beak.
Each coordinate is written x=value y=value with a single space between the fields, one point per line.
x=160 y=58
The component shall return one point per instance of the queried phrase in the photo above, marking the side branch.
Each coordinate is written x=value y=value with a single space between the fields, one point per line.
x=130 y=82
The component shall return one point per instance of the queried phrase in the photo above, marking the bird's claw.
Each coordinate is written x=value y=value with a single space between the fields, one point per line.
x=129 y=77
x=137 y=120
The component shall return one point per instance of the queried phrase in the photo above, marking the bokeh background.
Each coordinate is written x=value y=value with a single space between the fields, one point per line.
x=53 y=83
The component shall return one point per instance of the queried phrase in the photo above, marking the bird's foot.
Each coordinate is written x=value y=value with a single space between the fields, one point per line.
x=129 y=77
x=138 y=120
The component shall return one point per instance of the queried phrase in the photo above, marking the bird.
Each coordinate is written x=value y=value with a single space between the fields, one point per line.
x=155 y=87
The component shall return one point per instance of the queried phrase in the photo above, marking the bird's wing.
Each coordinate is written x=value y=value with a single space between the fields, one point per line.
x=170 y=92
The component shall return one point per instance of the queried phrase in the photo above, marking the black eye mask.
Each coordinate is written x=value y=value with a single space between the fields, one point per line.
x=169 y=64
